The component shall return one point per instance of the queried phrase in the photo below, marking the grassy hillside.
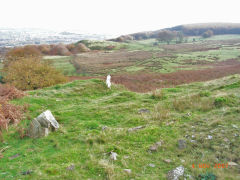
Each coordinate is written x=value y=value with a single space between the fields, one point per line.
x=187 y=29
x=95 y=121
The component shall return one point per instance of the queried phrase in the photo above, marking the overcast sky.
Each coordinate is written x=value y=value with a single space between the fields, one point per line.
x=114 y=16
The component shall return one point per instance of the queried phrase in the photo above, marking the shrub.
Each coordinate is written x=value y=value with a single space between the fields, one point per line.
x=10 y=92
x=45 y=49
x=77 y=48
x=220 y=101
x=9 y=113
x=31 y=73
x=207 y=34
x=1 y=79
x=59 y=49
x=18 y=53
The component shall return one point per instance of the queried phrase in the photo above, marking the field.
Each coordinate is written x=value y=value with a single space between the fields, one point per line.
x=95 y=121
x=161 y=95
x=157 y=64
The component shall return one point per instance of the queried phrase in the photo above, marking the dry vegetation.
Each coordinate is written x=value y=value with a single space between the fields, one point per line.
x=31 y=73
x=144 y=82
x=99 y=61
x=9 y=113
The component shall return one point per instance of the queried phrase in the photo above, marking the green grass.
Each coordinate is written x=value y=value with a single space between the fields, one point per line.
x=62 y=63
x=83 y=107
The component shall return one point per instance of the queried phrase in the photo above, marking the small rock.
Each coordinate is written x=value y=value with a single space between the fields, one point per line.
x=175 y=173
x=226 y=139
x=113 y=156
x=169 y=123
x=14 y=156
x=135 y=128
x=27 y=172
x=144 y=111
x=71 y=167
x=125 y=157
x=167 y=160
x=155 y=147
x=151 y=165
x=182 y=144
x=188 y=114
x=209 y=137
x=104 y=128
x=193 y=136
x=235 y=126
x=232 y=164
x=182 y=160
x=128 y=171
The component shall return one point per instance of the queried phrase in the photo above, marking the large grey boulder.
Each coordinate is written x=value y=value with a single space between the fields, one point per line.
x=47 y=120
x=42 y=125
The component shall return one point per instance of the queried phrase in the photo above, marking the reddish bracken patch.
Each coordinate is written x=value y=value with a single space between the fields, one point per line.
x=10 y=92
x=9 y=113
x=147 y=82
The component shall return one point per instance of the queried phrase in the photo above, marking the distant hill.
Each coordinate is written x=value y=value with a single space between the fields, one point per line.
x=187 y=30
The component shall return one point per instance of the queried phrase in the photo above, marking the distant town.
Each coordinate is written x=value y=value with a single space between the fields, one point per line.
x=10 y=37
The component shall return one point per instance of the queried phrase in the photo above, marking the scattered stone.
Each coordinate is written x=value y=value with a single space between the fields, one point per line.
x=182 y=160
x=104 y=128
x=113 y=156
x=144 y=111
x=226 y=139
x=71 y=167
x=167 y=160
x=193 y=136
x=155 y=147
x=235 y=126
x=169 y=123
x=135 y=128
x=182 y=144
x=188 y=176
x=209 y=137
x=151 y=165
x=14 y=156
x=27 y=172
x=236 y=135
x=175 y=173
x=232 y=164
x=42 y=125
x=125 y=157
x=188 y=114
x=192 y=141
x=128 y=171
